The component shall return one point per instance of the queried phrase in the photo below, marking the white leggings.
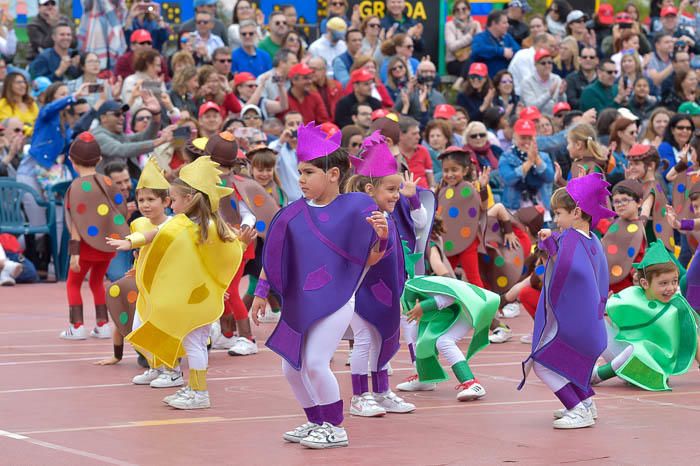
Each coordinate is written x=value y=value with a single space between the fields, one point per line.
x=195 y=344
x=409 y=330
x=315 y=383
x=368 y=341
x=551 y=379
x=447 y=343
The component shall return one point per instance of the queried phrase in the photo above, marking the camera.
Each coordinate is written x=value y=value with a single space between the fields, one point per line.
x=294 y=134
x=277 y=79
x=95 y=88
x=421 y=79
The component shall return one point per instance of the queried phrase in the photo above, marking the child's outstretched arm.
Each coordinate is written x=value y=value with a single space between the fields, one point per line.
x=436 y=264
x=118 y=342
x=681 y=224
x=510 y=239
x=132 y=241
x=260 y=301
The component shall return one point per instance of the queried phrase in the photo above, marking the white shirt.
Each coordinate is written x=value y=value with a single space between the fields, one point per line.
x=325 y=49
x=213 y=42
x=522 y=66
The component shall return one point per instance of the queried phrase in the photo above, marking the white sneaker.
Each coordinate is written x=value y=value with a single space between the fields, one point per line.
x=559 y=413
x=470 y=390
x=389 y=369
x=393 y=403
x=576 y=418
x=191 y=400
x=243 y=347
x=366 y=406
x=270 y=317
x=146 y=378
x=510 y=310
x=6 y=278
x=347 y=363
x=326 y=436
x=412 y=384
x=222 y=342
x=300 y=433
x=168 y=379
x=101 y=331
x=500 y=335
x=184 y=391
x=72 y=333
x=526 y=339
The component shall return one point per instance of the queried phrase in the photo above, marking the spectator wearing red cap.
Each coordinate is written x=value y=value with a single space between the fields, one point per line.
x=248 y=91
x=248 y=57
x=671 y=24
x=494 y=47
x=361 y=81
x=140 y=40
x=477 y=92
x=147 y=16
x=527 y=173
x=302 y=98
x=39 y=28
x=330 y=90
x=522 y=65
x=210 y=119
x=544 y=88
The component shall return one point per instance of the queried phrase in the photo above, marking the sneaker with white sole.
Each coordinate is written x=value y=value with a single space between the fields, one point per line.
x=576 y=418
x=101 y=331
x=501 y=335
x=168 y=379
x=300 y=433
x=73 y=333
x=146 y=378
x=222 y=342
x=392 y=403
x=366 y=406
x=270 y=317
x=510 y=310
x=183 y=392
x=326 y=436
x=526 y=339
x=243 y=347
x=470 y=390
x=559 y=413
x=193 y=399
x=412 y=384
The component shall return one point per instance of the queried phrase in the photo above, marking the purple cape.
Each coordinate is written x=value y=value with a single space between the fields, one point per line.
x=417 y=241
x=573 y=299
x=692 y=277
x=314 y=258
x=378 y=300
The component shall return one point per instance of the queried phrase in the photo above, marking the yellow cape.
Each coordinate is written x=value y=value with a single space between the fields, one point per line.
x=141 y=225
x=181 y=285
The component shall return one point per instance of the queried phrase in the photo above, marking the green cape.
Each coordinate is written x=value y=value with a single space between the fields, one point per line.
x=664 y=337
x=478 y=305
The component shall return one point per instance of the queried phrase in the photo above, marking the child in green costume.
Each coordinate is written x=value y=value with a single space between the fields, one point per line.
x=653 y=330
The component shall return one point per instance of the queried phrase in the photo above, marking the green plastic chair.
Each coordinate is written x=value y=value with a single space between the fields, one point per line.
x=56 y=195
x=12 y=219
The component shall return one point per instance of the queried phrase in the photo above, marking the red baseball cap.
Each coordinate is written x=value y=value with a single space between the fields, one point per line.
x=561 y=107
x=638 y=150
x=208 y=106
x=541 y=53
x=669 y=11
x=243 y=77
x=525 y=128
x=360 y=76
x=479 y=69
x=605 y=14
x=530 y=113
x=299 y=69
x=623 y=18
x=379 y=113
x=140 y=35
x=445 y=111
x=329 y=128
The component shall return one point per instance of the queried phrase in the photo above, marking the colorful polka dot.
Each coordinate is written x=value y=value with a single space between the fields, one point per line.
x=92 y=230
x=663 y=212
x=123 y=318
x=118 y=198
x=465 y=232
x=658 y=228
x=485 y=258
x=631 y=252
x=672 y=241
x=502 y=281
x=233 y=204
x=616 y=271
x=612 y=249
x=132 y=296
x=260 y=226
x=495 y=227
x=449 y=246
x=119 y=219
x=86 y=186
x=539 y=270
x=450 y=193
x=517 y=261
x=453 y=212
x=499 y=261
x=466 y=191
x=652 y=304
x=439 y=210
x=259 y=200
x=680 y=188
x=472 y=212
x=613 y=228
x=632 y=228
x=114 y=291
x=107 y=180
x=81 y=208
x=102 y=210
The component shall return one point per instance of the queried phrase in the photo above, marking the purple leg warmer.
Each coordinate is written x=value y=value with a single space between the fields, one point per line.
x=360 y=384
x=380 y=381
x=568 y=396
x=332 y=413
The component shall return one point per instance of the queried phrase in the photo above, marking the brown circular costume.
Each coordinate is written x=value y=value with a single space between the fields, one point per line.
x=121 y=299
x=460 y=209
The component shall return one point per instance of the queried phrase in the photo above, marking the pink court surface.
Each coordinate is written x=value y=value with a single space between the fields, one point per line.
x=58 y=408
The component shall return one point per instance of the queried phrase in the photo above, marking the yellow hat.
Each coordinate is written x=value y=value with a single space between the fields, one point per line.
x=203 y=175
x=200 y=143
x=152 y=176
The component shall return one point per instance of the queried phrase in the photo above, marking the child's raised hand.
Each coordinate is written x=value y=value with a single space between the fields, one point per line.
x=672 y=218
x=119 y=244
x=416 y=313
x=379 y=223
x=246 y=235
x=511 y=240
x=484 y=177
x=544 y=233
x=409 y=184
x=257 y=308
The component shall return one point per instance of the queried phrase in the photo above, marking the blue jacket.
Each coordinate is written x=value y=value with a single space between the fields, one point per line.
x=49 y=139
x=515 y=182
x=489 y=50
x=341 y=68
x=46 y=63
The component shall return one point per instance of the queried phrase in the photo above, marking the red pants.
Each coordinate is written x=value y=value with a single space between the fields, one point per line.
x=529 y=297
x=469 y=261
x=234 y=304
x=98 y=270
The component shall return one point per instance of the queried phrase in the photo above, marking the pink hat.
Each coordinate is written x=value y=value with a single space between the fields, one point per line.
x=530 y=113
x=561 y=107
x=139 y=36
x=313 y=143
x=300 y=69
x=445 y=111
x=605 y=14
x=379 y=113
x=361 y=76
x=242 y=77
x=591 y=195
x=669 y=11
x=525 y=128
x=541 y=53
x=479 y=69
x=208 y=106
x=329 y=128
x=377 y=160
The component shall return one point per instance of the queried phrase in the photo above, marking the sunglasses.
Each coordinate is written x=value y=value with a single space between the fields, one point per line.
x=223 y=60
x=203 y=21
x=143 y=118
x=374 y=25
x=117 y=114
x=477 y=135
x=476 y=76
x=51 y=3
x=546 y=63
x=279 y=23
x=247 y=34
x=506 y=81
x=398 y=67
x=355 y=144
x=610 y=72
x=461 y=9
x=259 y=141
x=337 y=4
x=588 y=57
x=252 y=117
x=683 y=128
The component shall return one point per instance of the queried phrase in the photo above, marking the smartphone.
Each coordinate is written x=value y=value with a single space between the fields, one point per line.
x=295 y=133
x=244 y=133
x=156 y=87
x=95 y=88
x=182 y=133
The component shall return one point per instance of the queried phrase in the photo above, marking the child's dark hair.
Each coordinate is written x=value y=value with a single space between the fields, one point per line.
x=561 y=199
x=337 y=159
x=163 y=194
x=621 y=189
x=461 y=158
x=265 y=159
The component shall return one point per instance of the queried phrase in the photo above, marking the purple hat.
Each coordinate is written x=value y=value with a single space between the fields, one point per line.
x=591 y=195
x=313 y=142
x=377 y=160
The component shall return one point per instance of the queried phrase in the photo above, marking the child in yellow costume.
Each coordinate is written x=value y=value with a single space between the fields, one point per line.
x=182 y=278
